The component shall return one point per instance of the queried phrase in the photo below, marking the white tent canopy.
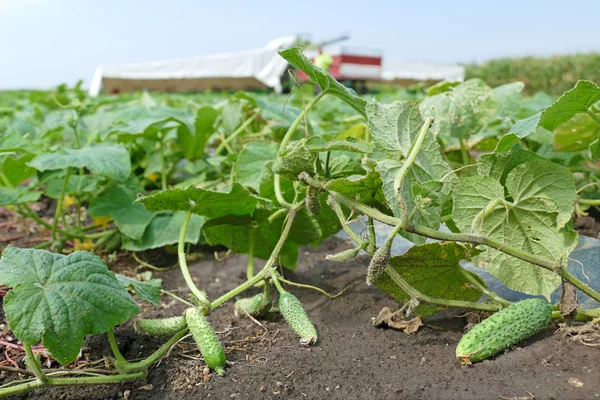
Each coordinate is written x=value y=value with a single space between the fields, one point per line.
x=398 y=70
x=255 y=68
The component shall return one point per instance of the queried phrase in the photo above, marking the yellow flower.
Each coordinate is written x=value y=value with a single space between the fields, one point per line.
x=69 y=201
x=102 y=221
x=154 y=177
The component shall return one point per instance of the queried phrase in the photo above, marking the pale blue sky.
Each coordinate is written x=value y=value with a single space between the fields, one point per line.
x=46 y=42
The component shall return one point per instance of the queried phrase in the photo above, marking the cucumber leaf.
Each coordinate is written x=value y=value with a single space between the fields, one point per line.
x=58 y=299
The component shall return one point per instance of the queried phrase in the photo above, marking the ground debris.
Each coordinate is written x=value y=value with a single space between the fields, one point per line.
x=393 y=319
x=529 y=396
x=586 y=334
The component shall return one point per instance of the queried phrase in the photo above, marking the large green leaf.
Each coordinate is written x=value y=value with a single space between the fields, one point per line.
x=433 y=269
x=252 y=163
x=575 y=101
x=110 y=160
x=59 y=299
x=327 y=83
x=13 y=196
x=117 y=201
x=235 y=200
x=462 y=111
x=529 y=212
x=164 y=229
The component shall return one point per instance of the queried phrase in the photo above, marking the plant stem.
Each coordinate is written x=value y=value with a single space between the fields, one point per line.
x=163 y=175
x=173 y=295
x=235 y=133
x=114 y=346
x=34 y=364
x=589 y=202
x=415 y=148
x=250 y=267
x=464 y=152
x=566 y=275
x=96 y=380
x=284 y=142
x=372 y=236
x=125 y=367
x=244 y=286
x=415 y=294
x=288 y=135
x=4 y=178
x=331 y=296
x=482 y=287
x=287 y=227
x=183 y=263
x=59 y=204
x=280 y=288
x=594 y=116
x=327 y=172
x=335 y=206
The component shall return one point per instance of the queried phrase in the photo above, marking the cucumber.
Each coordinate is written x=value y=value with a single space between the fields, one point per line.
x=207 y=339
x=379 y=263
x=162 y=326
x=312 y=202
x=297 y=318
x=256 y=306
x=345 y=255
x=503 y=329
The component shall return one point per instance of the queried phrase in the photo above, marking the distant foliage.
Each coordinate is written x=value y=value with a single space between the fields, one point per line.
x=554 y=75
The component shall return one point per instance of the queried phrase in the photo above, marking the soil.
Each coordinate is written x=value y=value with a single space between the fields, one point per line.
x=353 y=359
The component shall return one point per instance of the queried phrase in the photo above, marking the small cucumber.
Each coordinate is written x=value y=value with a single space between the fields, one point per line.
x=345 y=255
x=207 y=339
x=162 y=326
x=312 y=202
x=379 y=263
x=503 y=329
x=257 y=305
x=295 y=315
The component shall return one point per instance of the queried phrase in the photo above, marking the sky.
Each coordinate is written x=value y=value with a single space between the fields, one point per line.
x=44 y=43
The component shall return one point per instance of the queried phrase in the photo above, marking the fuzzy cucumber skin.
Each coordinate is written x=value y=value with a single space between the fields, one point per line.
x=207 y=339
x=503 y=329
x=346 y=255
x=297 y=318
x=162 y=326
x=257 y=305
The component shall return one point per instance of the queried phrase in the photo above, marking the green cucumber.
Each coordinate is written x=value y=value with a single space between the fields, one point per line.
x=503 y=329
x=162 y=326
x=379 y=262
x=207 y=339
x=345 y=255
x=312 y=202
x=256 y=306
x=297 y=318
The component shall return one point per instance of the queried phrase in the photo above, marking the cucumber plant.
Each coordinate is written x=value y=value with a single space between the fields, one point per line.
x=276 y=182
